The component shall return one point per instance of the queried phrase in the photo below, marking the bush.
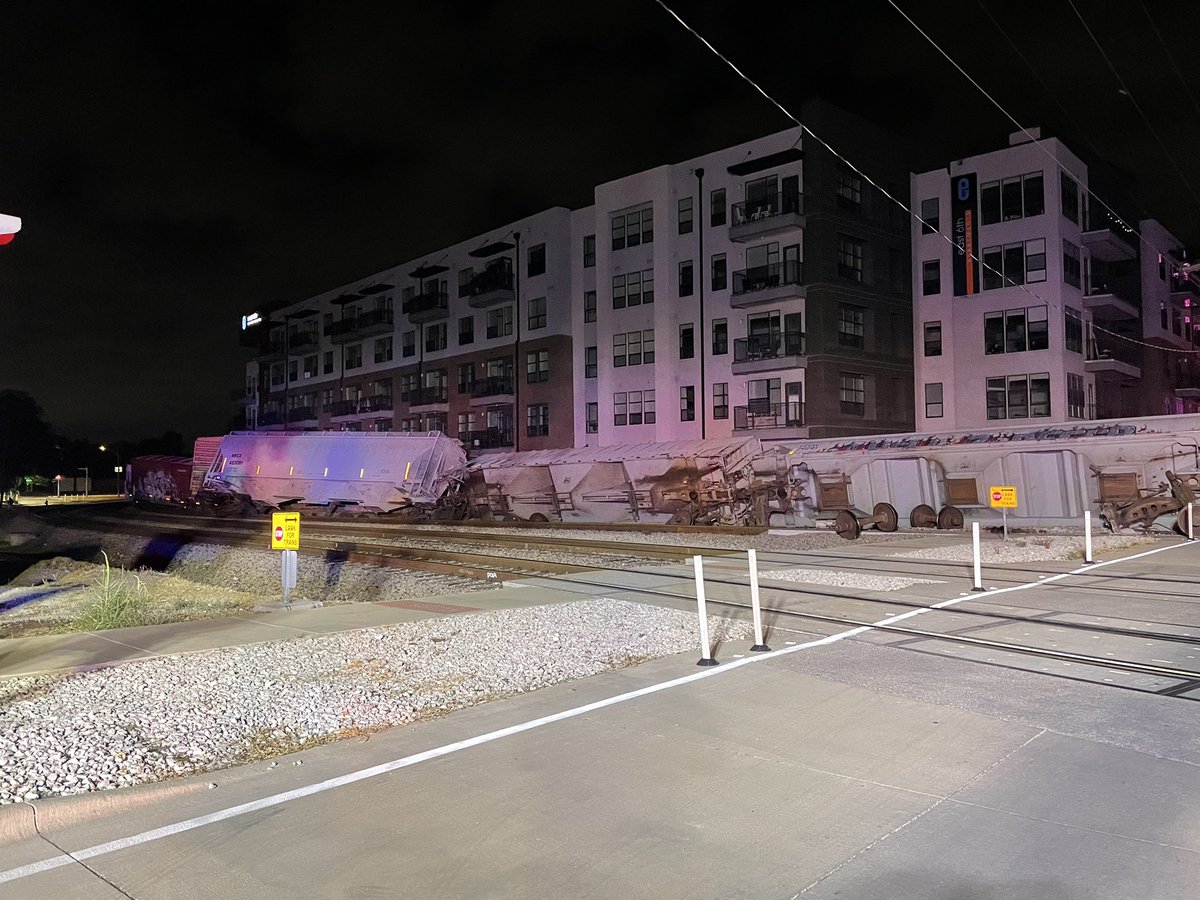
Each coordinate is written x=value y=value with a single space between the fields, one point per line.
x=119 y=602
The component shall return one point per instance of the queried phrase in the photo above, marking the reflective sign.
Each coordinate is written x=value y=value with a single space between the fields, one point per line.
x=285 y=531
x=1003 y=496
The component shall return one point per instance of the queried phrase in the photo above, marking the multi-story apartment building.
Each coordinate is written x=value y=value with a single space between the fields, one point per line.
x=762 y=289
x=1032 y=303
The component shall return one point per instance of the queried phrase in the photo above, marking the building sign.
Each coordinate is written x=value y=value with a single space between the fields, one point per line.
x=285 y=531
x=1003 y=496
x=963 y=217
x=252 y=319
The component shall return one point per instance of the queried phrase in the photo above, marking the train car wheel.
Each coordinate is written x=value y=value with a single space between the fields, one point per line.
x=950 y=517
x=923 y=516
x=847 y=526
x=1181 y=521
x=539 y=518
x=886 y=517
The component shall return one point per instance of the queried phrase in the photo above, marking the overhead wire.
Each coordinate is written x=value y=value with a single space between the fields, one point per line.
x=911 y=213
x=1171 y=60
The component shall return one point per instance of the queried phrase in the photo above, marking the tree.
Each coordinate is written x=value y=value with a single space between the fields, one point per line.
x=26 y=446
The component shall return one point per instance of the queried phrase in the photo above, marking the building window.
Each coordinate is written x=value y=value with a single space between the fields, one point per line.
x=500 y=322
x=619 y=348
x=464 y=280
x=634 y=347
x=933 y=400
x=685 y=215
x=327 y=362
x=537 y=420
x=537 y=313
x=353 y=356
x=718 y=272
x=536 y=264
x=1071 y=268
x=687 y=403
x=632 y=229
x=853 y=394
x=310 y=362
x=685 y=278
x=1073 y=330
x=294 y=369
x=1038 y=327
x=1014 y=264
x=931 y=277
x=850 y=258
x=408 y=343
x=633 y=289
x=620 y=408
x=466 y=375
x=648 y=345
x=435 y=337
x=466 y=330
x=1070 y=197
x=929 y=216
x=1074 y=396
x=1035 y=260
x=589 y=250
x=850 y=326
x=1012 y=198
x=687 y=341
x=1018 y=396
x=933 y=338
x=591 y=360
x=589 y=306
x=716 y=207
x=635 y=407
x=383 y=349
x=593 y=418
x=537 y=367
x=849 y=189
x=721 y=400
x=720 y=337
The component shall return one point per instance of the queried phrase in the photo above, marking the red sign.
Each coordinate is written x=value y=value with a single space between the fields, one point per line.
x=279 y=533
x=997 y=496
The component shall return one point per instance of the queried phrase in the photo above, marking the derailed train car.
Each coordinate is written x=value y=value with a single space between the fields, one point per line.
x=1059 y=470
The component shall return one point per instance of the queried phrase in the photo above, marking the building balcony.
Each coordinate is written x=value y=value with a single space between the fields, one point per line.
x=267 y=418
x=339 y=409
x=303 y=341
x=491 y=287
x=768 y=352
x=772 y=283
x=426 y=396
x=1112 y=366
x=428 y=307
x=772 y=214
x=489 y=438
x=378 y=403
x=1107 y=240
x=371 y=322
x=759 y=415
x=1108 y=304
x=491 y=387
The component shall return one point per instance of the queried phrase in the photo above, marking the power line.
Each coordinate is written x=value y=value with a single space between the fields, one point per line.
x=806 y=130
x=1128 y=93
x=1171 y=60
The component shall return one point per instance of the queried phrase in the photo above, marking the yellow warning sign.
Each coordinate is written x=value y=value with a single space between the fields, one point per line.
x=1003 y=496
x=285 y=531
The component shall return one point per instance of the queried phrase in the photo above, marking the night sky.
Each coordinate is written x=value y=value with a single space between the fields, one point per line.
x=178 y=165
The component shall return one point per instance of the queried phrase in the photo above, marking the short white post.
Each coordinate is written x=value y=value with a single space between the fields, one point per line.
x=702 y=609
x=755 y=605
x=1087 y=537
x=975 y=554
x=1191 y=521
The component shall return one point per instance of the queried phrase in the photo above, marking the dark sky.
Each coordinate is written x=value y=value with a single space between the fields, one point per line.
x=177 y=165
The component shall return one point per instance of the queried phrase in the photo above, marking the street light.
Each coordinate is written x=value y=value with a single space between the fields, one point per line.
x=118 y=470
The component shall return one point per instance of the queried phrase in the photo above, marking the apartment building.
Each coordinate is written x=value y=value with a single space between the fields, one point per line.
x=1033 y=302
x=762 y=289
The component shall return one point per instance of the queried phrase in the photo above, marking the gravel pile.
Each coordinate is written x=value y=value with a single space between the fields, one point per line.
x=174 y=716
x=845 y=579
x=1027 y=549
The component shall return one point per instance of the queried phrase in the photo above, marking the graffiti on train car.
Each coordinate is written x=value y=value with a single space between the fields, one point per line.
x=917 y=442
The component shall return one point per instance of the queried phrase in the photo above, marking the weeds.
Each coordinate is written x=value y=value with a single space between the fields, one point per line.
x=119 y=603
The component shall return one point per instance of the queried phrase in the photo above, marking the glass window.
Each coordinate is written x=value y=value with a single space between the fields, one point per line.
x=851 y=327
x=466 y=330
x=537 y=420
x=1039 y=327
x=618 y=232
x=408 y=343
x=634 y=344
x=718 y=272
x=850 y=258
x=853 y=394
x=536 y=261
x=500 y=322
x=685 y=278
x=589 y=306
x=1018 y=397
x=1039 y=395
x=621 y=408
x=931 y=277
x=593 y=418
x=1071 y=269
x=647 y=220
x=687 y=403
x=1010 y=198
x=537 y=313
x=997 y=399
x=687 y=343
x=1014 y=264
x=849 y=188
x=1074 y=330
x=648 y=345
x=635 y=407
x=618 y=291
x=1035 y=260
x=619 y=355
x=989 y=202
x=1035 y=197
x=685 y=215
x=721 y=400
x=648 y=404
x=589 y=250
x=717 y=207
x=1070 y=197
x=993 y=268
x=383 y=350
x=1074 y=396
x=537 y=367
x=933 y=400
x=933 y=338
x=720 y=337
x=993 y=333
x=929 y=216
x=327 y=362
x=591 y=359
x=1014 y=331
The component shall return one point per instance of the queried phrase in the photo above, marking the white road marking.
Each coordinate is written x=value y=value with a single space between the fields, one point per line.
x=154 y=834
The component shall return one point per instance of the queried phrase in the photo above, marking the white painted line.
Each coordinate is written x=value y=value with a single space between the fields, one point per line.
x=231 y=812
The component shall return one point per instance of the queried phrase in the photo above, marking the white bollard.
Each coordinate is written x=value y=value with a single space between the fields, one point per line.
x=975 y=554
x=1087 y=537
x=755 y=605
x=705 y=647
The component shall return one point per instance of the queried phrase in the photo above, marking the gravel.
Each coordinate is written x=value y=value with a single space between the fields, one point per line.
x=1027 y=549
x=845 y=579
x=149 y=720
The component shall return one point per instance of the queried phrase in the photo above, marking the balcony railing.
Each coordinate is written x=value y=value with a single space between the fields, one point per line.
x=303 y=340
x=761 y=278
x=422 y=395
x=773 y=345
x=492 y=386
x=433 y=304
x=371 y=320
x=493 y=278
x=763 y=414
x=270 y=417
x=490 y=437
x=767 y=207
x=378 y=403
x=343 y=408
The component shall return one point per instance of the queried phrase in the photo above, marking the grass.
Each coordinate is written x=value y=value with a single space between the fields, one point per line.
x=121 y=601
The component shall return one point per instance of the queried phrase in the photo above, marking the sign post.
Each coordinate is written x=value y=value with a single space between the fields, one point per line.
x=1003 y=497
x=285 y=536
